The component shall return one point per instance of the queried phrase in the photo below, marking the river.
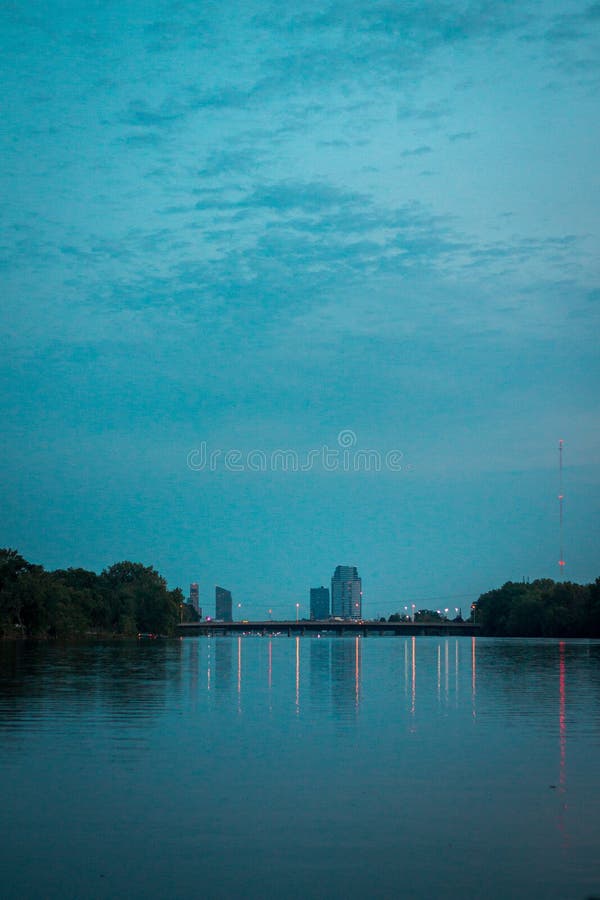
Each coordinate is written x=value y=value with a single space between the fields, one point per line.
x=310 y=767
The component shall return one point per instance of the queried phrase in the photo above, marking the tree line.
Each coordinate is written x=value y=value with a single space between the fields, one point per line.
x=126 y=598
x=542 y=608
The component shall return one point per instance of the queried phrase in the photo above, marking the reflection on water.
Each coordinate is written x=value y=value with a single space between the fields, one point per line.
x=290 y=761
x=474 y=674
x=562 y=725
x=320 y=662
x=223 y=663
x=345 y=673
x=36 y=677
x=413 y=673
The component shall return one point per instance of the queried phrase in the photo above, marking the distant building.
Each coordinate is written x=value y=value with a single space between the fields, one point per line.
x=319 y=603
x=195 y=597
x=346 y=593
x=223 y=605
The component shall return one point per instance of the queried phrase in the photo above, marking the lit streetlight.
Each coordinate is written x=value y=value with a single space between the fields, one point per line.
x=297 y=611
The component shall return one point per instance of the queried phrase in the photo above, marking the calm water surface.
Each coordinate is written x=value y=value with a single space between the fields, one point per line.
x=301 y=767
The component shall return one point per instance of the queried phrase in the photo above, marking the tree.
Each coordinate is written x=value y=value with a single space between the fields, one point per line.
x=544 y=608
x=140 y=600
x=126 y=598
x=427 y=615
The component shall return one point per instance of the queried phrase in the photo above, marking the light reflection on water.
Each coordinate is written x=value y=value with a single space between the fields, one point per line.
x=301 y=767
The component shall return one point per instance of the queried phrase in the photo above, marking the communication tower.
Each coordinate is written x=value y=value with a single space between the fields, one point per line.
x=561 y=561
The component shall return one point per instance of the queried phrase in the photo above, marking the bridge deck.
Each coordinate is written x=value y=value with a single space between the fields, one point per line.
x=447 y=629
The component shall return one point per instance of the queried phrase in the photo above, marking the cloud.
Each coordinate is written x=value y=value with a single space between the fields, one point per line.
x=139 y=113
x=423 y=150
x=305 y=196
x=148 y=139
x=569 y=27
x=461 y=136
x=225 y=162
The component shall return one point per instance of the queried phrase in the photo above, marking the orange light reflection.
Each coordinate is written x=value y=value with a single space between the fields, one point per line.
x=414 y=676
x=356 y=671
x=239 y=673
x=473 y=676
x=270 y=664
x=297 y=675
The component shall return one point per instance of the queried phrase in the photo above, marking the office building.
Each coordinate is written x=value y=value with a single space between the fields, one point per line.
x=346 y=593
x=223 y=605
x=195 y=596
x=319 y=603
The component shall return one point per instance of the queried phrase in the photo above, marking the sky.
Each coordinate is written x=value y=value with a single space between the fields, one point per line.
x=231 y=229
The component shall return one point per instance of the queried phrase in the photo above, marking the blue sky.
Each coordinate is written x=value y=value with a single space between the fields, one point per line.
x=257 y=225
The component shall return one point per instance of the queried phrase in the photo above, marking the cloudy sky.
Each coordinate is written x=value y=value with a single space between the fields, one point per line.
x=245 y=226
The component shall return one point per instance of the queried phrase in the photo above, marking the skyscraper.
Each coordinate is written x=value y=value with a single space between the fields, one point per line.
x=319 y=603
x=223 y=605
x=195 y=596
x=346 y=593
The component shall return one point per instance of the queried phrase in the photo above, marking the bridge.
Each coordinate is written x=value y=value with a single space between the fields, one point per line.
x=340 y=627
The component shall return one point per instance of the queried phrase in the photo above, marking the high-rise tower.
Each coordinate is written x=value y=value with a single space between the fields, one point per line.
x=346 y=593
x=319 y=603
x=223 y=605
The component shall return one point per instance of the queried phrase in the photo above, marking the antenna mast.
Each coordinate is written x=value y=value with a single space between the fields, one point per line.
x=561 y=561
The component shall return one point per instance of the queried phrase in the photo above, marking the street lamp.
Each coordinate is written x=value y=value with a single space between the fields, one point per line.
x=297 y=611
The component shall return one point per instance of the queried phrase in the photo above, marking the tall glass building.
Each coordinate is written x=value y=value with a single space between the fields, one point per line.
x=223 y=605
x=346 y=593
x=319 y=603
